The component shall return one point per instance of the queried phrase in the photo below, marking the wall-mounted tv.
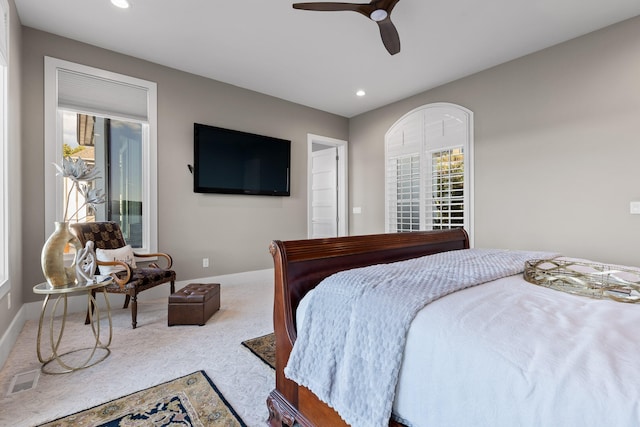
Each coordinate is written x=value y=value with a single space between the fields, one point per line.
x=233 y=162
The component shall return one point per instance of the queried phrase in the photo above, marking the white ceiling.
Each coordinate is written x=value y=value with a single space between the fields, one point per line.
x=320 y=59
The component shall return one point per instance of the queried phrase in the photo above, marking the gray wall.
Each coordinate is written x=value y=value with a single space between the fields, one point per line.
x=233 y=231
x=557 y=149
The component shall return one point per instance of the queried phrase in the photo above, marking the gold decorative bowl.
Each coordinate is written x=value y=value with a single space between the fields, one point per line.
x=585 y=278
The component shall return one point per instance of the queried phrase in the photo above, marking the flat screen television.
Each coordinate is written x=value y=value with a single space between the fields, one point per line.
x=232 y=162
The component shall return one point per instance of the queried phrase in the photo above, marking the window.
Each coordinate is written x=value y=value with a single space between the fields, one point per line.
x=445 y=207
x=108 y=120
x=4 y=176
x=115 y=148
x=429 y=162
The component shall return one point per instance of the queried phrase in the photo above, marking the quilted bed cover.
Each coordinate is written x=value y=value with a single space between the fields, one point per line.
x=510 y=353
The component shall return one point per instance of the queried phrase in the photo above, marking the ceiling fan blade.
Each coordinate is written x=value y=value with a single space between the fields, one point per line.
x=329 y=6
x=390 y=37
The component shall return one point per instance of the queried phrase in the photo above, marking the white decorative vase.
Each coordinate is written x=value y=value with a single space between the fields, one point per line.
x=52 y=257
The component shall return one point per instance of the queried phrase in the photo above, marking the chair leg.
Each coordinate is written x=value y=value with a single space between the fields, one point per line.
x=126 y=301
x=173 y=287
x=134 y=309
x=90 y=308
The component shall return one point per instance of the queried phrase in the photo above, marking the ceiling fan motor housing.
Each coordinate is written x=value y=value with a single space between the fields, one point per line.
x=378 y=15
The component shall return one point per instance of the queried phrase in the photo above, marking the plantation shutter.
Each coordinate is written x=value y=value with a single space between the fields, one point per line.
x=402 y=177
x=445 y=185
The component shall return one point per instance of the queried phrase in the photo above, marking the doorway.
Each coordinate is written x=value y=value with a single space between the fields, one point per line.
x=327 y=187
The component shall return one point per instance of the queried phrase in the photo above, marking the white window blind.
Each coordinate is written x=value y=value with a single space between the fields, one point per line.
x=88 y=93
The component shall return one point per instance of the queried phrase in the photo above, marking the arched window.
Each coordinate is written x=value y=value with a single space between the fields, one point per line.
x=428 y=174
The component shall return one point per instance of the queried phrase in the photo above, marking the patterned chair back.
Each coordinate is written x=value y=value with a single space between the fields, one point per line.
x=105 y=235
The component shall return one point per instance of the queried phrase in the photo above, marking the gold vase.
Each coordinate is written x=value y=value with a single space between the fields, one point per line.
x=52 y=257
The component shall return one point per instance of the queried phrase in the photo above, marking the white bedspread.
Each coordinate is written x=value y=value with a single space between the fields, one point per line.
x=349 y=350
x=509 y=353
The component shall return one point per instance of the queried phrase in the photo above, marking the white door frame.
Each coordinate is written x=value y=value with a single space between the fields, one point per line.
x=343 y=200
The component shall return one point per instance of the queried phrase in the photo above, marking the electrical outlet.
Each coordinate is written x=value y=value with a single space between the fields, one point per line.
x=205 y=262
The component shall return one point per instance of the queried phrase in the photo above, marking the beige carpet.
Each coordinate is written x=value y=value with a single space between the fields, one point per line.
x=152 y=354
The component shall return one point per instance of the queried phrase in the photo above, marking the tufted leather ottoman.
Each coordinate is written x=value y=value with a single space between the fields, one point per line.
x=194 y=304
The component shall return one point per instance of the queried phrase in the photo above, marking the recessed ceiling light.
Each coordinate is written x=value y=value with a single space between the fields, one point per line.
x=361 y=92
x=124 y=4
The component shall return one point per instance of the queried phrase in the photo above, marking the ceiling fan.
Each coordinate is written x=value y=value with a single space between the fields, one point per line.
x=378 y=11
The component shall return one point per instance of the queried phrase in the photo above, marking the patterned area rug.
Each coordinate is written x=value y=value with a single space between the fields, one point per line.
x=192 y=400
x=264 y=347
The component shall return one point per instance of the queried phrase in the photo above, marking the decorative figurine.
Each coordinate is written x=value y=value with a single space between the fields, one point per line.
x=86 y=263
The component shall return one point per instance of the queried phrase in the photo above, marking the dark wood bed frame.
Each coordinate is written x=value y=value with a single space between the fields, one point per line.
x=299 y=266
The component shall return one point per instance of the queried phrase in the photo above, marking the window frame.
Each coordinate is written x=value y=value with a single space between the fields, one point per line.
x=407 y=137
x=53 y=140
x=5 y=285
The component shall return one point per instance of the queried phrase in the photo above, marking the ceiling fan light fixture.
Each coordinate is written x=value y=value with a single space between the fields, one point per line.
x=378 y=15
x=379 y=11
x=122 y=4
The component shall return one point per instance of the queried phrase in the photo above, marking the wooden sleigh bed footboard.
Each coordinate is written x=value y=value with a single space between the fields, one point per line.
x=300 y=265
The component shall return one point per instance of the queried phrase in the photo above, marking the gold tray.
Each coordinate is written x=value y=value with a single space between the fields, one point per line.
x=585 y=278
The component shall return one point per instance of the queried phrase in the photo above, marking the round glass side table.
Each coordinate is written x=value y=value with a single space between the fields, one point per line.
x=95 y=353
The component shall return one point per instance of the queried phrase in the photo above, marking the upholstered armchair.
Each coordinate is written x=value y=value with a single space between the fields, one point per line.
x=129 y=279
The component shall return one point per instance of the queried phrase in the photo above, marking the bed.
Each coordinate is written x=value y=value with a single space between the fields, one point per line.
x=568 y=391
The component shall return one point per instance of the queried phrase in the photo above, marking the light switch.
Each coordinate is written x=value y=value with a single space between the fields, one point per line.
x=357 y=210
x=634 y=208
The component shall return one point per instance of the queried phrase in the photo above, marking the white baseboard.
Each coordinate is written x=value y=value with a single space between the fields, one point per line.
x=78 y=303
x=10 y=337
